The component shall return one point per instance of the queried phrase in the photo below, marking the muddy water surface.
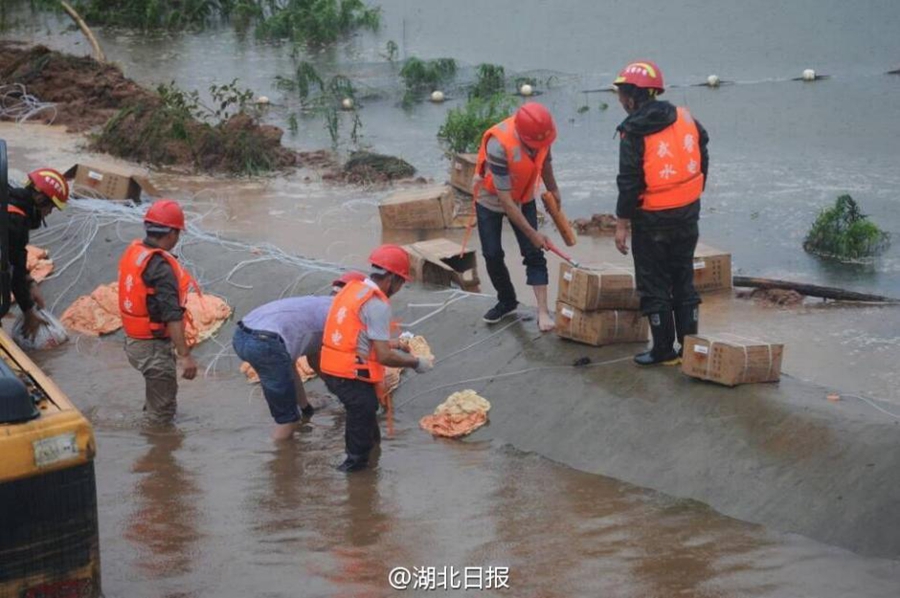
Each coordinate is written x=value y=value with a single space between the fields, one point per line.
x=213 y=509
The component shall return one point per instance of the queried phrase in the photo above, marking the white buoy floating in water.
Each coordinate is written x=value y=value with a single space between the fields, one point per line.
x=713 y=81
x=809 y=75
x=437 y=96
x=262 y=100
x=347 y=103
x=526 y=90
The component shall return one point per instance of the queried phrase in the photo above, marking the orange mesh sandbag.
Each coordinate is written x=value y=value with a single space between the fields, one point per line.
x=98 y=313
x=38 y=263
x=462 y=413
x=207 y=314
x=95 y=314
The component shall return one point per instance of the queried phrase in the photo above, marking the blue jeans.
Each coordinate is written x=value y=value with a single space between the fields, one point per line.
x=490 y=225
x=265 y=351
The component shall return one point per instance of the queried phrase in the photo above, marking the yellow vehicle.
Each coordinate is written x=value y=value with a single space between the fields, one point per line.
x=49 y=544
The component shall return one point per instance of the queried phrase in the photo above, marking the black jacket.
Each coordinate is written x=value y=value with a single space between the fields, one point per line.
x=19 y=232
x=650 y=118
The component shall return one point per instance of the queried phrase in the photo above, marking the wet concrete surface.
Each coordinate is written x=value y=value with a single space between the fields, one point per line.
x=212 y=508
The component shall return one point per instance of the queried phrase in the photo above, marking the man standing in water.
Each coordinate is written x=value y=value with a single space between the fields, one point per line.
x=272 y=337
x=663 y=163
x=513 y=159
x=153 y=290
x=356 y=348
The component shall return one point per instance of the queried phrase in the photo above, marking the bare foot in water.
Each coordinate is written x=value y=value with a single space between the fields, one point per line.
x=545 y=322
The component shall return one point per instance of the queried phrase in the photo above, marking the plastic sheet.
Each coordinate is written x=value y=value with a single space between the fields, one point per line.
x=49 y=335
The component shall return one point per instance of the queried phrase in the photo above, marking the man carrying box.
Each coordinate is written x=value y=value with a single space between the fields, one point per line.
x=663 y=163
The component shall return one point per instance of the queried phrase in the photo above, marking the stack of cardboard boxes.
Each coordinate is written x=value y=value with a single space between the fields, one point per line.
x=599 y=306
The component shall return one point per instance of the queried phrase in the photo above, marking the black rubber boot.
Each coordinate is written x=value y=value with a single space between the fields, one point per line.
x=687 y=321
x=662 y=327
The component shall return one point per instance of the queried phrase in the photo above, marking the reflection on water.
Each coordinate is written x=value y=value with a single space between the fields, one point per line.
x=163 y=526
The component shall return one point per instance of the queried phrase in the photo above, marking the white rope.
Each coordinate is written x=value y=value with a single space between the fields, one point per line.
x=18 y=105
x=492 y=377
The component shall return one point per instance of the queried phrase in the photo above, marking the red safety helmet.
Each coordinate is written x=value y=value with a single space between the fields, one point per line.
x=166 y=212
x=347 y=277
x=535 y=126
x=392 y=258
x=643 y=74
x=52 y=184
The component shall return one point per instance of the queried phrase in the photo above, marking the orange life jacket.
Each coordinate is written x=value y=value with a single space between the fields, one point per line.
x=524 y=171
x=339 y=355
x=15 y=210
x=133 y=291
x=672 y=165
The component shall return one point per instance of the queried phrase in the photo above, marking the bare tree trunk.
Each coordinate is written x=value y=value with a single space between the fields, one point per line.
x=99 y=56
x=810 y=289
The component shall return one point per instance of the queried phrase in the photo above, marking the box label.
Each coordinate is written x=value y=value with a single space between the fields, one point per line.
x=699 y=264
x=567 y=313
x=95 y=175
x=568 y=275
x=48 y=451
x=702 y=349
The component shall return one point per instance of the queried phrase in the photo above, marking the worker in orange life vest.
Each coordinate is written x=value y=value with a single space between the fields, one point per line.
x=514 y=158
x=27 y=208
x=663 y=164
x=356 y=346
x=153 y=289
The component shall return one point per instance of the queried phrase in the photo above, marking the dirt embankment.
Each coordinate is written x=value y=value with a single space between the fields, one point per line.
x=86 y=93
x=160 y=128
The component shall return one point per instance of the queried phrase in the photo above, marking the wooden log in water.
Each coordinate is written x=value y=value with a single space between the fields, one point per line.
x=812 y=290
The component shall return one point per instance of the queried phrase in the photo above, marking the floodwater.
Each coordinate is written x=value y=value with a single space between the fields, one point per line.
x=213 y=509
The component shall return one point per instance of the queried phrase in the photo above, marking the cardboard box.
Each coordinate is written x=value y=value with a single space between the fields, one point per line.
x=731 y=360
x=438 y=261
x=104 y=183
x=712 y=269
x=606 y=287
x=462 y=171
x=604 y=327
x=421 y=208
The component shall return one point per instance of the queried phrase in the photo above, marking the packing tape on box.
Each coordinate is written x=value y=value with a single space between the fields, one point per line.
x=712 y=343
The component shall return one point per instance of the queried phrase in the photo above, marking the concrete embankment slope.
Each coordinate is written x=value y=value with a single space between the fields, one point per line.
x=777 y=454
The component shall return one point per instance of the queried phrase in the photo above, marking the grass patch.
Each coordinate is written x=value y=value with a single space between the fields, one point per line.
x=845 y=233
x=463 y=128
x=491 y=80
x=424 y=76
x=313 y=22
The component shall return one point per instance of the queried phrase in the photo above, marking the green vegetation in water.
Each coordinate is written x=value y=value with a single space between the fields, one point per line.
x=175 y=127
x=424 y=76
x=463 y=128
x=845 y=233
x=391 y=50
x=491 y=80
x=314 y=22
x=583 y=109
x=324 y=98
x=603 y=106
